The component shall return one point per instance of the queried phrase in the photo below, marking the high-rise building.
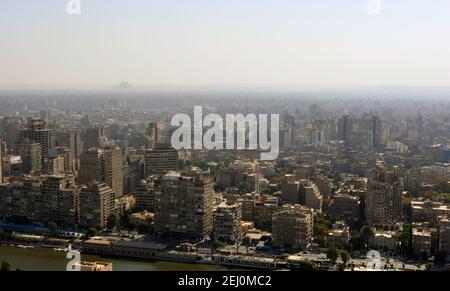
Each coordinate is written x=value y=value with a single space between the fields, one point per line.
x=37 y=130
x=12 y=166
x=160 y=160
x=1 y=163
x=227 y=222
x=31 y=154
x=70 y=139
x=97 y=203
x=377 y=131
x=304 y=192
x=361 y=140
x=145 y=195
x=60 y=200
x=113 y=169
x=345 y=127
x=384 y=197
x=344 y=206
x=293 y=227
x=152 y=135
x=184 y=205
x=102 y=166
x=93 y=137
x=56 y=165
x=68 y=157
x=22 y=198
x=444 y=234
x=90 y=166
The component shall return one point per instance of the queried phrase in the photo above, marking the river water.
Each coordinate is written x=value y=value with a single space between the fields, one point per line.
x=49 y=260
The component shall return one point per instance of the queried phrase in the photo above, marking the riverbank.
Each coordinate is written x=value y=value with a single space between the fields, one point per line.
x=46 y=259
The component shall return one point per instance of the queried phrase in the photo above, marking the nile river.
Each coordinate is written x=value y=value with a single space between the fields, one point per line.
x=50 y=260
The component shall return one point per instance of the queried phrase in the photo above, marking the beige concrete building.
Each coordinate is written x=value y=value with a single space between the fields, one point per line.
x=56 y=165
x=344 y=206
x=304 y=192
x=259 y=209
x=1 y=162
x=95 y=266
x=184 y=205
x=160 y=160
x=37 y=130
x=113 y=169
x=444 y=234
x=102 y=165
x=421 y=241
x=227 y=222
x=145 y=194
x=339 y=234
x=293 y=227
x=384 y=198
x=97 y=203
x=60 y=200
x=426 y=211
x=31 y=154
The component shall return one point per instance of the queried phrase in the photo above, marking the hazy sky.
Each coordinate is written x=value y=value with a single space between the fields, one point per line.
x=224 y=43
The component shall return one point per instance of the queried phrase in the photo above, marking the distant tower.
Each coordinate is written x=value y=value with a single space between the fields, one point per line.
x=152 y=135
x=93 y=137
x=345 y=128
x=38 y=131
x=377 y=131
x=1 y=162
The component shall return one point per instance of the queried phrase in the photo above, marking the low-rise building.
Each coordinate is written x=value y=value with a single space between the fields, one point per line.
x=425 y=211
x=444 y=234
x=227 y=222
x=344 y=206
x=259 y=209
x=339 y=234
x=95 y=266
x=421 y=241
x=442 y=169
x=384 y=240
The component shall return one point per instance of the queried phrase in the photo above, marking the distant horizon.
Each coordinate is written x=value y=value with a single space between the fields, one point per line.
x=140 y=87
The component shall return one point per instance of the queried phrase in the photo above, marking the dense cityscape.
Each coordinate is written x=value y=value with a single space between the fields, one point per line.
x=356 y=176
x=224 y=144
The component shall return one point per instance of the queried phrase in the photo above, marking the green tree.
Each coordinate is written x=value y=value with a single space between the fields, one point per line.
x=244 y=188
x=112 y=221
x=5 y=267
x=2 y=233
x=405 y=240
x=366 y=235
x=217 y=244
x=247 y=242
x=332 y=254
x=53 y=227
x=440 y=257
x=341 y=267
x=345 y=257
x=92 y=231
